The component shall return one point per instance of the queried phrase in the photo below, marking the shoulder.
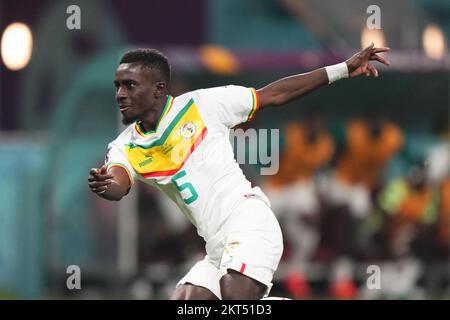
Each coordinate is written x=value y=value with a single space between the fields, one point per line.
x=124 y=137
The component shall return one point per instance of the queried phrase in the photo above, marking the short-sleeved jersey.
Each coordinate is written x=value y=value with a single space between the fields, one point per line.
x=189 y=156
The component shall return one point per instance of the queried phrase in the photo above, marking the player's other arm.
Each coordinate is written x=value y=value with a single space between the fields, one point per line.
x=110 y=184
x=288 y=89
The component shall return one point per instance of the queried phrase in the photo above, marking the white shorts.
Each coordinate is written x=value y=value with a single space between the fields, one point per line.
x=250 y=242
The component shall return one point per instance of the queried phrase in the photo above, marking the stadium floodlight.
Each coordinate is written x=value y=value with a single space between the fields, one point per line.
x=16 y=46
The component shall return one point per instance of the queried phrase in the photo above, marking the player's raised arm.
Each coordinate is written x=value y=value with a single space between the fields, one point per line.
x=110 y=184
x=288 y=89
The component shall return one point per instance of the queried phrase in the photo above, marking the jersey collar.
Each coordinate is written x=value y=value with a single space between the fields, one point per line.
x=138 y=126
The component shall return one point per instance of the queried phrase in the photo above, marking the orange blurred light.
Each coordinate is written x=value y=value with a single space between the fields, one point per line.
x=433 y=41
x=375 y=35
x=219 y=60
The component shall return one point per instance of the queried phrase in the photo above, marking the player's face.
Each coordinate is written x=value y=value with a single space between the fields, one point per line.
x=136 y=91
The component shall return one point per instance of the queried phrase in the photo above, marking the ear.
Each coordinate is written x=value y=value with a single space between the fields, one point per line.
x=160 y=89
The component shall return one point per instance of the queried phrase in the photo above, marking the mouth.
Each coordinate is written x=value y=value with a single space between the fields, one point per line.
x=124 y=107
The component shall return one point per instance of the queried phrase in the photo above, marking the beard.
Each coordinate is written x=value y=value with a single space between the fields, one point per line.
x=128 y=120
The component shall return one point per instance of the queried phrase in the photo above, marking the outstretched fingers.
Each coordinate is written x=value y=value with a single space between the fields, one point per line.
x=380 y=59
x=369 y=48
x=382 y=49
x=371 y=70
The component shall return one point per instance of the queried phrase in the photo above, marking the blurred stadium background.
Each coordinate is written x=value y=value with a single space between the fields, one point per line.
x=364 y=167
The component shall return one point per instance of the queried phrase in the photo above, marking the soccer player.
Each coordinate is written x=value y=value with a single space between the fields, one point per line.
x=180 y=145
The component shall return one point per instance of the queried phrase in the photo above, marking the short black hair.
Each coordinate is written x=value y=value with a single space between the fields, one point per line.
x=149 y=58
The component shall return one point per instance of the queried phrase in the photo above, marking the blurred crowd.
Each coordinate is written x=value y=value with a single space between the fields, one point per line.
x=340 y=207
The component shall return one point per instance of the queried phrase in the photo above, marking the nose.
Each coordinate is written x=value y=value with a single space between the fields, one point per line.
x=121 y=94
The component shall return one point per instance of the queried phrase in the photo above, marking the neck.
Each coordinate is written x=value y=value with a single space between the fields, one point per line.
x=150 y=120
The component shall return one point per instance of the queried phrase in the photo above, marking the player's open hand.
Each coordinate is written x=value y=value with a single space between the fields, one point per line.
x=360 y=62
x=99 y=180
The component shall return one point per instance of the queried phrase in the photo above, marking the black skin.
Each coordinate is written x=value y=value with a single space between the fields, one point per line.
x=233 y=286
x=144 y=92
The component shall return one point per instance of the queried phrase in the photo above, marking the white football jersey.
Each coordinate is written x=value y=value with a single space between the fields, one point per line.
x=189 y=156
